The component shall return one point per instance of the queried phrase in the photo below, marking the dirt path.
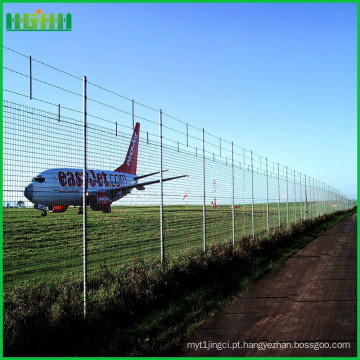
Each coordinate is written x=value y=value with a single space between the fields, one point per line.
x=308 y=304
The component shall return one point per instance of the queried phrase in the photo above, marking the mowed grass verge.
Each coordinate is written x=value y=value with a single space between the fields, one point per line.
x=49 y=249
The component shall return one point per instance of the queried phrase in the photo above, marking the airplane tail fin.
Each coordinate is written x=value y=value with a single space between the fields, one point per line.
x=130 y=163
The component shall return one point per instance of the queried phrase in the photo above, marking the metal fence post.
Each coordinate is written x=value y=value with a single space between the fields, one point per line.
x=320 y=198
x=243 y=193
x=204 y=200
x=331 y=199
x=267 y=198
x=316 y=198
x=306 y=209
x=287 y=198
x=323 y=198
x=161 y=191
x=30 y=78
x=316 y=195
x=84 y=188
x=233 y=192
x=327 y=197
x=295 y=197
x=252 y=197
x=301 y=210
x=313 y=198
x=309 y=195
x=278 y=176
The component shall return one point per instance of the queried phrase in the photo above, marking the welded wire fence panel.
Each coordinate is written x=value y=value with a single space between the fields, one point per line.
x=243 y=211
x=183 y=216
x=218 y=187
x=260 y=204
x=37 y=248
x=130 y=233
x=43 y=167
x=273 y=197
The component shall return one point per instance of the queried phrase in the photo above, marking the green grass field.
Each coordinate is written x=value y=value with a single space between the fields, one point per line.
x=49 y=249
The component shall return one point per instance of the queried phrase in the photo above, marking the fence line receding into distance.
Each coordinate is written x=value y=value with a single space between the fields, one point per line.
x=229 y=193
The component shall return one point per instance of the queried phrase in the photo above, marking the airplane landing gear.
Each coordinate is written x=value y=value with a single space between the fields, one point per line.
x=44 y=213
x=80 y=212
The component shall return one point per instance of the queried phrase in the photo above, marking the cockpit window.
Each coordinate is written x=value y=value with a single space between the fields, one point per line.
x=39 y=179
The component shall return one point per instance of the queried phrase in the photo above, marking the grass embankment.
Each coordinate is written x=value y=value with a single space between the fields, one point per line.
x=39 y=249
x=146 y=310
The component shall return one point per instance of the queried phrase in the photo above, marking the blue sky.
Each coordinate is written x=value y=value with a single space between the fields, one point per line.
x=278 y=79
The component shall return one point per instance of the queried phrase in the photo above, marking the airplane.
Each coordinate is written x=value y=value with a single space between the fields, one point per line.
x=57 y=189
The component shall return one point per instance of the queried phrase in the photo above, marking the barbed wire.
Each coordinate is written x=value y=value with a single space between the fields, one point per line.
x=42 y=81
x=42 y=63
x=122 y=96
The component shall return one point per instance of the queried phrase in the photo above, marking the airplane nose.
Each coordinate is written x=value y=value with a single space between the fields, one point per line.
x=29 y=192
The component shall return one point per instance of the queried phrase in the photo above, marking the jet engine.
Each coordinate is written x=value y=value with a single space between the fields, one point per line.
x=100 y=202
x=58 y=209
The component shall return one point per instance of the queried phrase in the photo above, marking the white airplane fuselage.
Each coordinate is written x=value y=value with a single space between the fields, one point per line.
x=64 y=186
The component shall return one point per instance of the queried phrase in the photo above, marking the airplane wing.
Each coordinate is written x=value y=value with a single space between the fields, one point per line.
x=144 y=176
x=140 y=186
x=154 y=182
